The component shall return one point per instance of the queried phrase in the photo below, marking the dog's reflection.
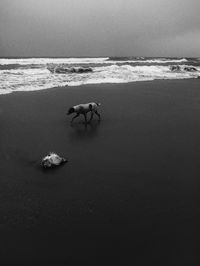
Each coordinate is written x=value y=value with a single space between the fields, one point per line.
x=84 y=131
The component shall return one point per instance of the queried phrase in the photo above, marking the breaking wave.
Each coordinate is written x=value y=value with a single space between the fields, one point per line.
x=32 y=73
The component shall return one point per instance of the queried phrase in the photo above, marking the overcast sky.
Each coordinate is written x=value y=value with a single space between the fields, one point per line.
x=74 y=28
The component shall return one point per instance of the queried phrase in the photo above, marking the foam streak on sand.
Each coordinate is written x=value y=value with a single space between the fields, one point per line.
x=32 y=74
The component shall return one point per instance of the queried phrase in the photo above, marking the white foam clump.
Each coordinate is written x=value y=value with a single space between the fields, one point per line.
x=52 y=160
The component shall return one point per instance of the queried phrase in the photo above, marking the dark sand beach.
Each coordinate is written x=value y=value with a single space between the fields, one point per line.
x=129 y=194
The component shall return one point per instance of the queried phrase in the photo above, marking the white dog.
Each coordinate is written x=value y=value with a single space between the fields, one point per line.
x=83 y=109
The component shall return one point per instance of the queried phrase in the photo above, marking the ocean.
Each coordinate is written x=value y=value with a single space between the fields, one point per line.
x=30 y=74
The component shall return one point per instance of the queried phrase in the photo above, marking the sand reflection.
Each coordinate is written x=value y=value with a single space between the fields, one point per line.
x=81 y=131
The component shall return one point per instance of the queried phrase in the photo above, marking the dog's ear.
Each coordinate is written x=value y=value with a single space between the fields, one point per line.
x=70 y=111
x=90 y=107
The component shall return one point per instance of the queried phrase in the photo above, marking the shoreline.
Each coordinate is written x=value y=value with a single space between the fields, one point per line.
x=101 y=85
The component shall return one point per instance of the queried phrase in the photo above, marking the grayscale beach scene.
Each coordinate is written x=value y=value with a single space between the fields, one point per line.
x=99 y=132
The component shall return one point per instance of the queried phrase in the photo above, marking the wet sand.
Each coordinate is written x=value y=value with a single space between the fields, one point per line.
x=129 y=194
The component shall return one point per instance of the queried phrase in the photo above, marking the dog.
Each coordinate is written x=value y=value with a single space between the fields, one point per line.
x=83 y=109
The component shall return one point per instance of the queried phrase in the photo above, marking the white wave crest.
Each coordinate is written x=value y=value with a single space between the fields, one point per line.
x=150 y=61
x=82 y=61
x=44 y=61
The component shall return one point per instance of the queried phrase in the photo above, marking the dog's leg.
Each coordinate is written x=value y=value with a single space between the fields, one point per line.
x=96 y=112
x=74 y=117
x=85 y=115
x=91 y=117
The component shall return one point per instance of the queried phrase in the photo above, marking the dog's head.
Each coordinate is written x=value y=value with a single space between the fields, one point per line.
x=70 y=111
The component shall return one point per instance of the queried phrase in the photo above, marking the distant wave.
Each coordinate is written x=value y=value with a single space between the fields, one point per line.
x=150 y=61
x=44 y=61
x=80 y=61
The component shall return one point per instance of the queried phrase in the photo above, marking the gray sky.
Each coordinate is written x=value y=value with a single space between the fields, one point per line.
x=76 y=28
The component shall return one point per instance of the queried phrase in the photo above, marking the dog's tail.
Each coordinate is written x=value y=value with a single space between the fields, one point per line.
x=98 y=104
